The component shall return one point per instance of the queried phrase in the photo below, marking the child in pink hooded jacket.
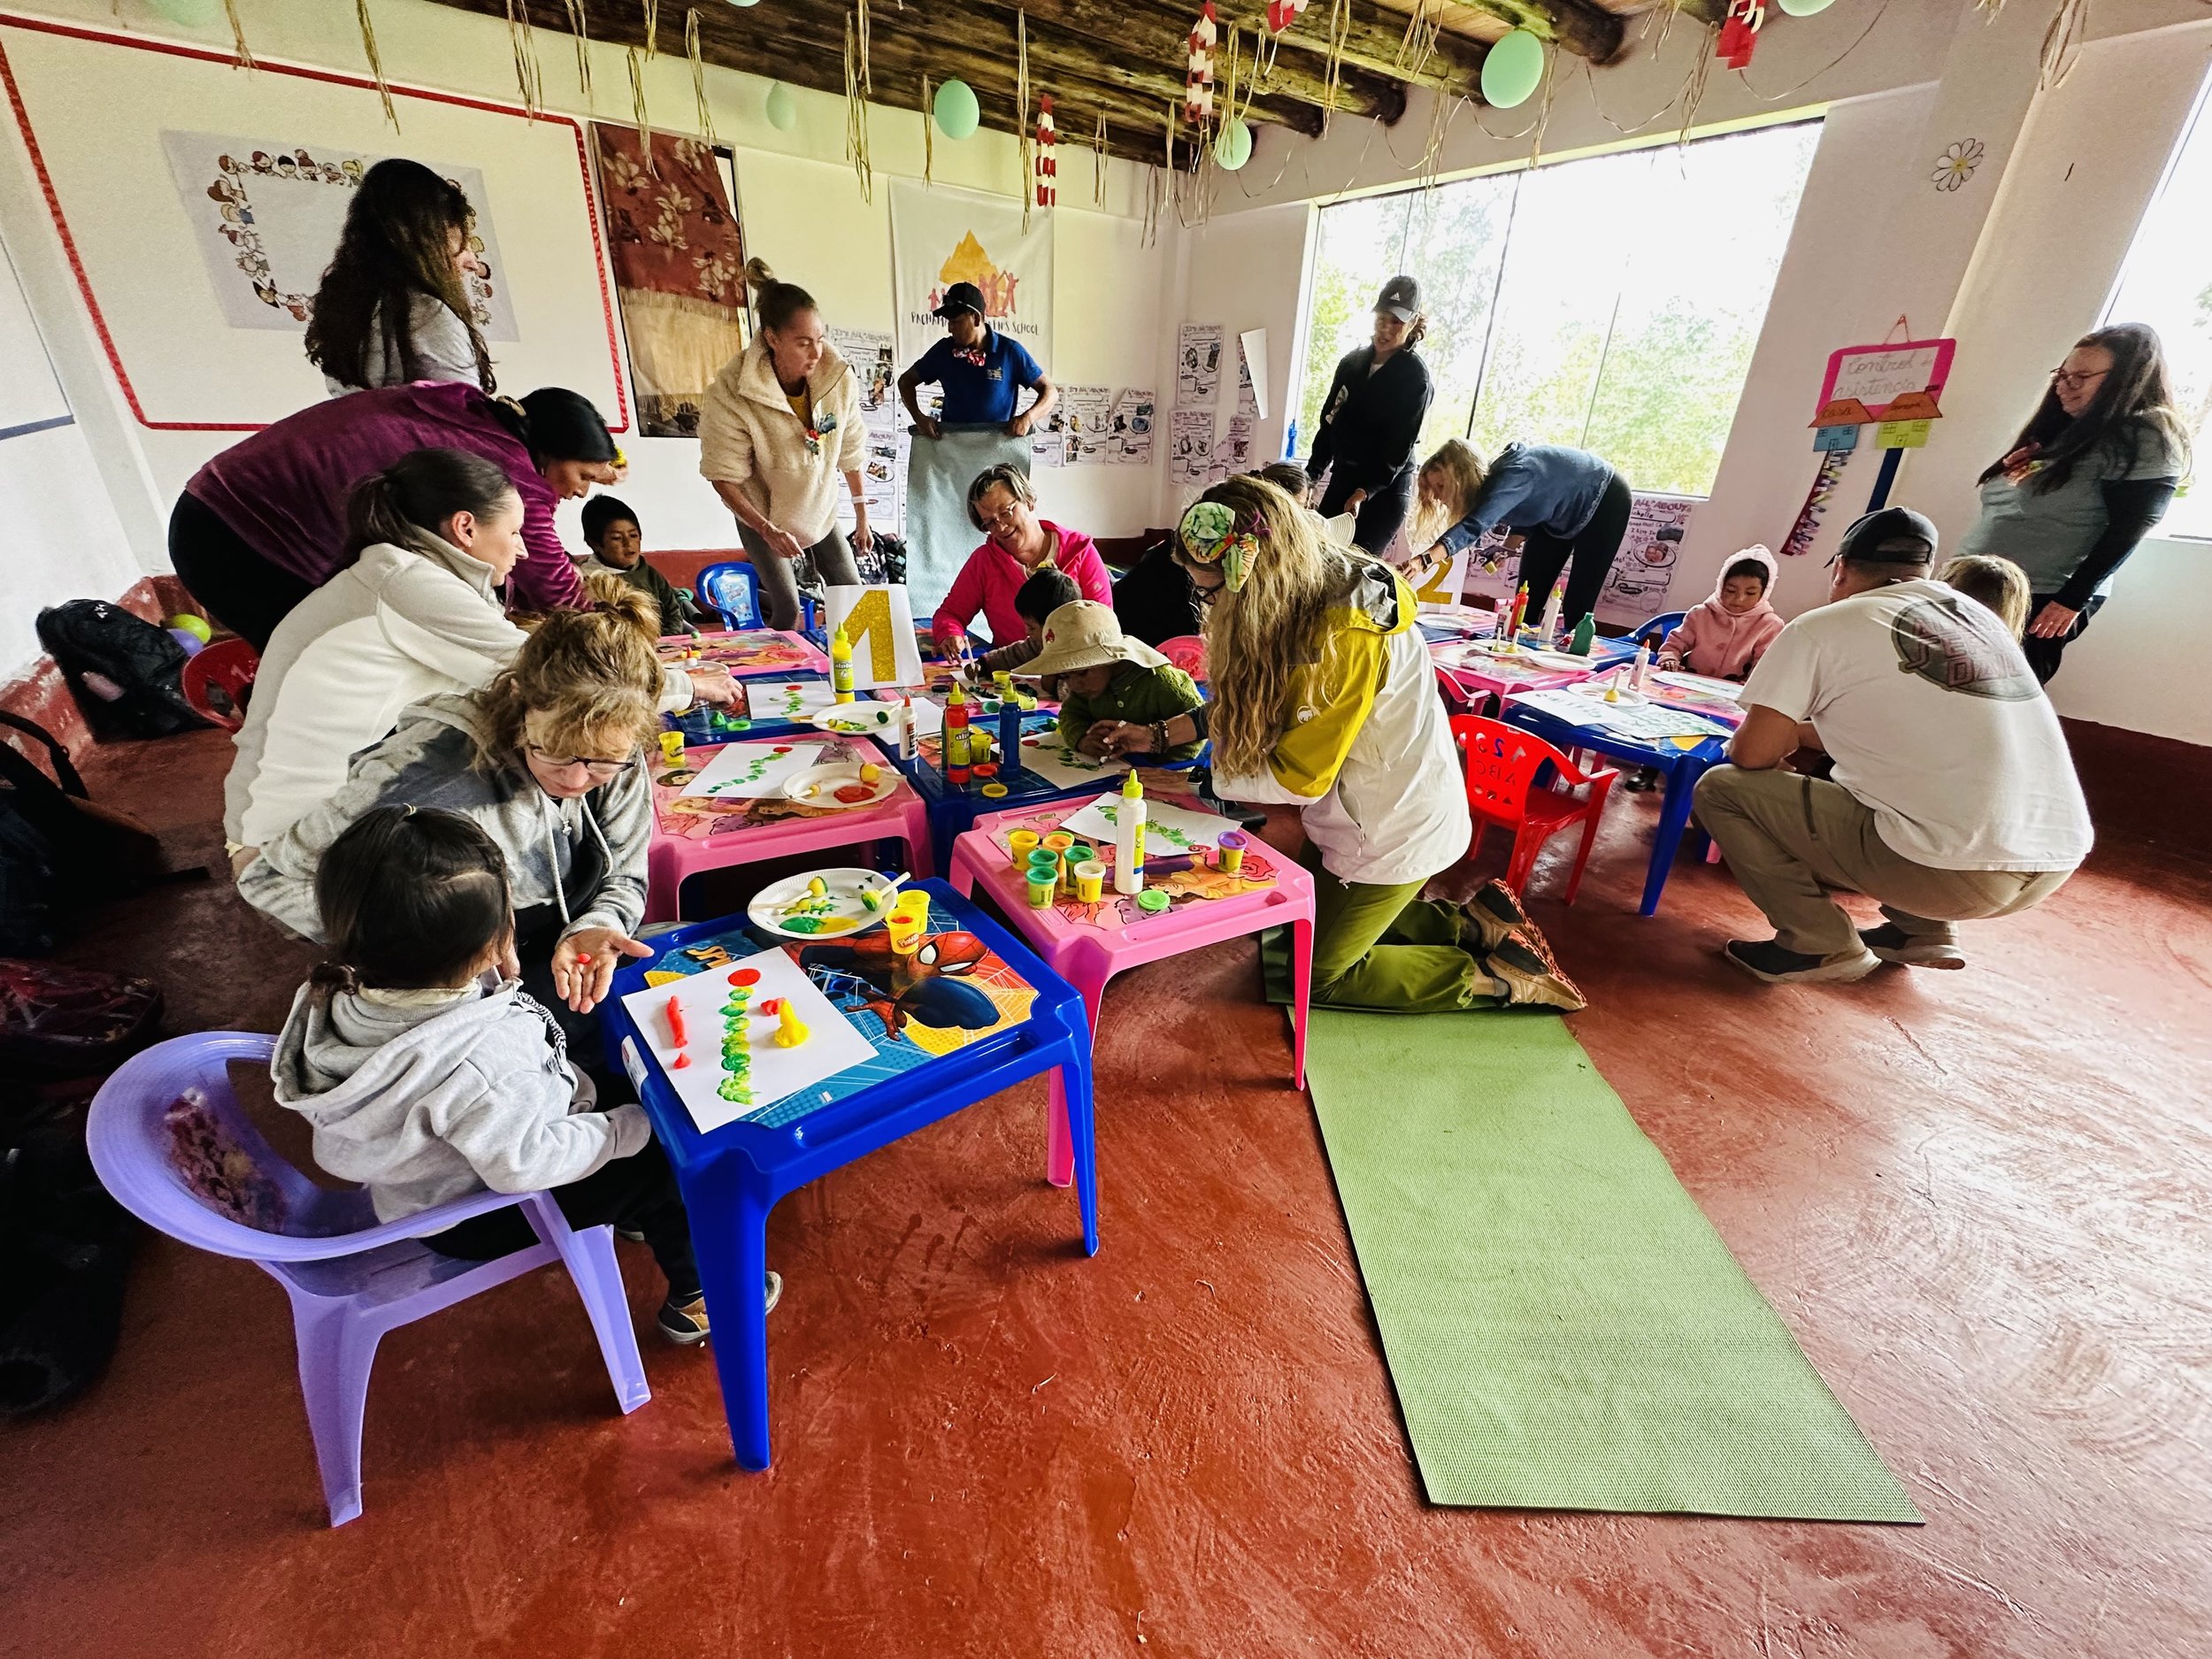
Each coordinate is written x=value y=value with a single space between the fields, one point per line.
x=1725 y=637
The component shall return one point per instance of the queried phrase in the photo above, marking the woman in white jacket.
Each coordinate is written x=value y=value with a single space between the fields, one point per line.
x=417 y=616
x=780 y=422
x=1324 y=700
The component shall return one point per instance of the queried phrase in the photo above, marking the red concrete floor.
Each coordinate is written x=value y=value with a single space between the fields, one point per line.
x=1979 y=1199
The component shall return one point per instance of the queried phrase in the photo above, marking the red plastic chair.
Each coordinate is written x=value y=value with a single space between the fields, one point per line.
x=228 y=666
x=1502 y=762
x=1187 y=652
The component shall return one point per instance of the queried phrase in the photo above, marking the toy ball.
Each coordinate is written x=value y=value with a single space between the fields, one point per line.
x=192 y=644
x=1233 y=147
x=783 y=108
x=958 y=111
x=1805 y=8
x=1513 y=69
x=185 y=622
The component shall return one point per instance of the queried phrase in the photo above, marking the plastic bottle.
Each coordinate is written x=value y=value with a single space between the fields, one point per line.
x=842 y=665
x=1547 y=629
x=956 y=736
x=1642 y=674
x=1009 y=734
x=1586 y=632
x=1129 y=837
x=1519 y=614
x=906 y=728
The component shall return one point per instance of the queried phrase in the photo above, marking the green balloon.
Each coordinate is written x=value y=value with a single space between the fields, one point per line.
x=958 y=111
x=1232 y=146
x=188 y=10
x=1513 y=69
x=783 y=108
x=1805 y=8
x=744 y=3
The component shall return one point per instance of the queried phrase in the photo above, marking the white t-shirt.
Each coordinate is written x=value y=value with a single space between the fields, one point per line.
x=1936 y=723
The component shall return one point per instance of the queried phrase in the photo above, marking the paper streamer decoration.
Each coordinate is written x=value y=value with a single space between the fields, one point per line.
x=1198 y=94
x=1282 y=13
x=1739 y=32
x=879 y=623
x=1799 y=540
x=1048 y=156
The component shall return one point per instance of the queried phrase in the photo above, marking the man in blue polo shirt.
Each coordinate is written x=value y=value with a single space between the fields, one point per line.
x=980 y=371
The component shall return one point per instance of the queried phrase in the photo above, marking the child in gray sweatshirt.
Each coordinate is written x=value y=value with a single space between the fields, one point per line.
x=426 y=1082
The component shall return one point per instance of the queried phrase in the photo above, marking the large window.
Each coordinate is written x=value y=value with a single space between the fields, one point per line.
x=2166 y=283
x=1611 y=305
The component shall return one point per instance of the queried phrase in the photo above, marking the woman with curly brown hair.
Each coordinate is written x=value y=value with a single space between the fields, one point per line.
x=394 y=305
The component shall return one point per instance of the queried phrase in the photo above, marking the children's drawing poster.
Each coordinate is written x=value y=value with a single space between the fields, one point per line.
x=720 y=1020
x=751 y=770
x=1198 y=365
x=1191 y=446
x=1233 y=451
x=1086 y=417
x=1635 y=589
x=869 y=352
x=1131 y=424
x=879 y=623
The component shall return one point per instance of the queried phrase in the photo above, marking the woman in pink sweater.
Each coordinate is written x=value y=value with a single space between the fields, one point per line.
x=1725 y=637
x=1018 y=544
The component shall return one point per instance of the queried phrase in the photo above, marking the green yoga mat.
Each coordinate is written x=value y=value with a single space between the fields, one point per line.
x=1564 y=1328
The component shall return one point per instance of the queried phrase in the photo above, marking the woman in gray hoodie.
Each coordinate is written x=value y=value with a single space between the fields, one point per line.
x=426 y=1081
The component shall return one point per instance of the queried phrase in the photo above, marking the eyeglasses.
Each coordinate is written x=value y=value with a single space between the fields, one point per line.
x=599 y=771
x=1005 y=519
x=2074 y=379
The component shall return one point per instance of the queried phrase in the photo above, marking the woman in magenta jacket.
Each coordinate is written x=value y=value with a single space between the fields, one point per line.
x=263 y=525
x=1018 y=545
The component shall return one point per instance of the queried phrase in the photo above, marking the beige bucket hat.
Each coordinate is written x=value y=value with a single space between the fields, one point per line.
x=1084 y=633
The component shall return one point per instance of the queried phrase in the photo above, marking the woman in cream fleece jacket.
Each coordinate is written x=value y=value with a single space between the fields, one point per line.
x=780 y=422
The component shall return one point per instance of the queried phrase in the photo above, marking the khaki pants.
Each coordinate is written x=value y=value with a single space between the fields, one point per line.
x=1792 y=841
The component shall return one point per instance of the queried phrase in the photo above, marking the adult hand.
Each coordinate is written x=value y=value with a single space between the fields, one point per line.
x=710 y=683
x=781 y=542
x=928 y=427
x=580 y=983
x=1120 y=737
x=2052 y=621
x=1018 y=427
x=1355 y=501
x=1093 y=742
x=862 y=537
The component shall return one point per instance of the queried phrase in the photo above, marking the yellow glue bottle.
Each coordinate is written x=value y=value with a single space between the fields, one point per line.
x=1129 y=837
x=842 y=665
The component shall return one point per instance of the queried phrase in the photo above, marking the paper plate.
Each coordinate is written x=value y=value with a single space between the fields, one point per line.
x=1594 y=689
x=862 y=719
x=783 y=907
x=822 y=786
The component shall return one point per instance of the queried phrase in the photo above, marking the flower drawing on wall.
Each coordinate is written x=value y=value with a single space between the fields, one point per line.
x=1955 y=166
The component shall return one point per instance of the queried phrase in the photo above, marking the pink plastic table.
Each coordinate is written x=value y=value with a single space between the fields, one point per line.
x=747 y=652
x=1087 y=945
x=695 y=834
x=1474 y=676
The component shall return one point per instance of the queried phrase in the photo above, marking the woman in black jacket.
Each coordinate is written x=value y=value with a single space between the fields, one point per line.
x=1371 y=420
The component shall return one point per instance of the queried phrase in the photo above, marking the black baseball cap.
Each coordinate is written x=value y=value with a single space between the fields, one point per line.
x=1894 y=535
x=962 y=296
x=1401 y=297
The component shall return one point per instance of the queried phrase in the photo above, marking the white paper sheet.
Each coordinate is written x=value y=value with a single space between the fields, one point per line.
x=832 y=1044
x=879 y=622
x=786 y=699
x=1041 y=754
x=1169 y=831
x=752 y=770
x=1644 y=720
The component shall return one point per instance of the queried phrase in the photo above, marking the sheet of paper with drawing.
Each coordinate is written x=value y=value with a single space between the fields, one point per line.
x=748 y=770
x=1643 y=721
x=717 y=1087
x=1169 y=831
x=788 y=699
x=1064 y=768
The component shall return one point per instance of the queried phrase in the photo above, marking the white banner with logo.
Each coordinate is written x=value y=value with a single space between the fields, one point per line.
x=940 y=236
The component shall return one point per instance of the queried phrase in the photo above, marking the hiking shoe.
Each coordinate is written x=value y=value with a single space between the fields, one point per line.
x=685 y=1322
x=1494 y=913
x=1522 y=963
x=1893 y=943
x=1767 y=959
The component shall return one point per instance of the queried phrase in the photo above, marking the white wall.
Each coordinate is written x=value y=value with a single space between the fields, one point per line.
x=1245 y=271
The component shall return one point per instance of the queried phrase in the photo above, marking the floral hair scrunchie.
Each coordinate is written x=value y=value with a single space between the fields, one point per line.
x=1211 y=535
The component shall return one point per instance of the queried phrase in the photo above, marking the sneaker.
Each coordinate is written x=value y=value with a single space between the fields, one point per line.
x=1522 y=963
x=1893 y=943
x=1642 y=778
x=1767 y=959
x=1495 y=914
x=685 y=1322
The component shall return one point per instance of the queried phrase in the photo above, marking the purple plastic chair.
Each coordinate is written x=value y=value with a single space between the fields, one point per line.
x=173 y=1144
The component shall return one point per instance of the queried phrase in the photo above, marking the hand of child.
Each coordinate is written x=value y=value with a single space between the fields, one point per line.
x=1119 y=737
x=584 y=963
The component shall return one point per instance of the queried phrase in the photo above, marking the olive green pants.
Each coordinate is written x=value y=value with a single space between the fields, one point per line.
x=1385 y=950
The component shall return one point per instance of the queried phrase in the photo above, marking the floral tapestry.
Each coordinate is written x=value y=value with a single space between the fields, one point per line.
x=678 y=270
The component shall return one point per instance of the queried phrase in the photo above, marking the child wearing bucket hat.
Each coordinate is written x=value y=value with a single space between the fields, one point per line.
x=1106 y=678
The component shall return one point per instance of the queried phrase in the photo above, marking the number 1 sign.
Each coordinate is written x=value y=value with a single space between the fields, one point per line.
x=878 y=624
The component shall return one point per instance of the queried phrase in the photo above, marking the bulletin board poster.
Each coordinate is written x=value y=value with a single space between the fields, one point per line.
x=870 y=352
x=95 y=109
x=1635 y=589
x=1875 y=376
x=940 y=236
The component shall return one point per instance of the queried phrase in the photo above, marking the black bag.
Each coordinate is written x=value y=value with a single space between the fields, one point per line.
x=885 y=561
x=122 y=669
x=59 y=848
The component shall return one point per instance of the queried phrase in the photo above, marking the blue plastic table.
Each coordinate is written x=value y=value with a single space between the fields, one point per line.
x=1682 y=768
x=953 y=807
x=732 y=1176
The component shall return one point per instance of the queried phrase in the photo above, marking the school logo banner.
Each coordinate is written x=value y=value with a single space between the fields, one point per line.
x=940 y=236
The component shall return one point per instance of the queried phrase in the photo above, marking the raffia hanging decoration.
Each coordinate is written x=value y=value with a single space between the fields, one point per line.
x=638 y=112
x=867 y=77
x=529 y=79
x=1098 y=163
x=652 y=28
x=1021 y=107
x=580 y=25
x=2061 y=43
x=241 y=53
x=698 y=74
x=1423 y=23
x=1340 y=32
x=856 y=109
x=929 y=133
x=376 y=61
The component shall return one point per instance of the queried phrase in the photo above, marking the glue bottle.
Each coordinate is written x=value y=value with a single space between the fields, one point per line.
x=1129 y=837
x=1010 y=733
x=1637 y=680
x=1586 y=633
x=1519 y=615
x=1547 y=629
x=906 y=728
x=842 y=665
x=956 y=735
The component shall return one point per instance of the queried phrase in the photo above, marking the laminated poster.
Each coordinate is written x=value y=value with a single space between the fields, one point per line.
x=1198 y=365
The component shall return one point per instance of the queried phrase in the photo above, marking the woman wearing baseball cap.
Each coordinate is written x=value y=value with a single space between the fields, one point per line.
x=1371 y=419
x=980 y=371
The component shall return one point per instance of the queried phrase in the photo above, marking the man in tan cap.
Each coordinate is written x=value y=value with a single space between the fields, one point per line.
x=1107 y=679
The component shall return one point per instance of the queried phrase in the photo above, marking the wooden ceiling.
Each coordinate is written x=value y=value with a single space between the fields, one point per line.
x=1122 y=59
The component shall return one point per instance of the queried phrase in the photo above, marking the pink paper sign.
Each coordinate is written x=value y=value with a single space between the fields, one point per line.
x=1876 y=374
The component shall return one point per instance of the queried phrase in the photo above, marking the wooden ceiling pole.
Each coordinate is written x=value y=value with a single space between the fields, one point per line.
x=1588 y=28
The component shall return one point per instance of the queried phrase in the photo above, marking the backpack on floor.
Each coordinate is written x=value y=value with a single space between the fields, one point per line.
x=60 y=850
x=122 y=669
x=885 y=561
